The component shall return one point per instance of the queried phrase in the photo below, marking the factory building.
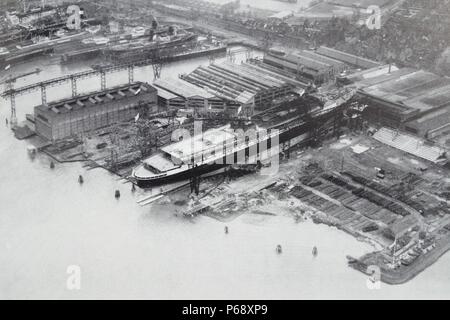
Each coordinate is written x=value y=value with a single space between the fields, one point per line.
x=288 y=77
x=347 y=58
x=247 y=85
x=307 y=64
x=416 y=101
x=176 y=94
x=74 y=116
x=431 y=125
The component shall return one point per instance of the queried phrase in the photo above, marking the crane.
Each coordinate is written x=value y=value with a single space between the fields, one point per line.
x=9 y=80
x=9 y=86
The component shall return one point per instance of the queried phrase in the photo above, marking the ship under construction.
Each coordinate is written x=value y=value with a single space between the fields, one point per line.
x=158 y=45
x=274 y=131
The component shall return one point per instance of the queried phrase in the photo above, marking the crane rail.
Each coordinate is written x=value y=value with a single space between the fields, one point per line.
x=75 y=76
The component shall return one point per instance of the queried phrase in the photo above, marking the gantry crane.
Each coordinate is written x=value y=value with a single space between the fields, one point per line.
x=9 y=86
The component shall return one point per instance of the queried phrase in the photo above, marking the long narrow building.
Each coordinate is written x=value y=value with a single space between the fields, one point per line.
x=176 y=94
x=312 y=67
x=250 y=86
x=417 y=101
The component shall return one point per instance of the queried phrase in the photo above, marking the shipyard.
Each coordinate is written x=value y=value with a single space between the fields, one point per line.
x=228 y=111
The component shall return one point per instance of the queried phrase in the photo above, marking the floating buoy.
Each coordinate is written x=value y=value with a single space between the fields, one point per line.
x=226 y=230
x=314 y=252
x=117 y=194
x=279 y=250
x=52 y=165
x=133 y=188
x=31 y=151
x=80 y=179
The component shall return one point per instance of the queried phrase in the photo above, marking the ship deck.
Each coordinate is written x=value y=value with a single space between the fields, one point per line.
x=201 y=144
x=160 y=163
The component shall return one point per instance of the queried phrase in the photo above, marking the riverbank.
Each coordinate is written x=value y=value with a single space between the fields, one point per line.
x=311 y=185
x=404 y=273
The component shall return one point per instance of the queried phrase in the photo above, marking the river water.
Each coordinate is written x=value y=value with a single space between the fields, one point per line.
x=49 y=222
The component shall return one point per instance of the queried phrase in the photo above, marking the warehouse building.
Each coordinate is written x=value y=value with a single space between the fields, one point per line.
x=176 y=94
x=74 y=116
x=349 y=59
x=246 y=85
x=431 y=125
x=414 y=100
x=307 y=65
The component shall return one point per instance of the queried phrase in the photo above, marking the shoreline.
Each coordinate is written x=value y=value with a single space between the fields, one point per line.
x=406 y=273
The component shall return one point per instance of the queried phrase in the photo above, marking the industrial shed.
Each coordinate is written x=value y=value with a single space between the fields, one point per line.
x=84 y=113
x=247 y=85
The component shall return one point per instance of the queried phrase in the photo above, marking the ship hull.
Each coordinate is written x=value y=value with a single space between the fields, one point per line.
x=296 y=136
x=184 y=175
x=162 y=49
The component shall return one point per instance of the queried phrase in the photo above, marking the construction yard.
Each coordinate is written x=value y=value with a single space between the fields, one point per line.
x=378 y=194
x=119 y=147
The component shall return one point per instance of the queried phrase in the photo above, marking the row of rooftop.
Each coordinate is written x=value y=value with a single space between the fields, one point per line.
x=251 y=83
x=95 y=99
x=320 y=65
x=415 y=100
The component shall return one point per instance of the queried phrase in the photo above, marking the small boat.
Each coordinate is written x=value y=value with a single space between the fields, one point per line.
x=314 y=251
x=31 y=150
x=226 y=230
x=80 y=179
x=279 y=249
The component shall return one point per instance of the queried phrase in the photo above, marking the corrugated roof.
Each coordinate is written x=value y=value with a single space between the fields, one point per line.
x=235 y=82
x=166 y=94
x=347 y=57
x=182 y=88
x=409 y=144
x=96 y=98
x=266 y=69
x=322 y=58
